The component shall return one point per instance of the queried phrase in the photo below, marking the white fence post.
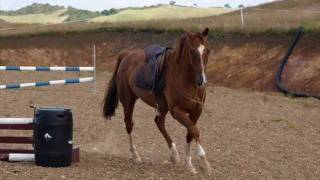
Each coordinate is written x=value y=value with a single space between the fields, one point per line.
x=242 y=17
x=95 y=69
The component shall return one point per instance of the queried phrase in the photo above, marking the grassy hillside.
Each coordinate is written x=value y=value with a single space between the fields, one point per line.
x=293 y=5
x=74 y=14
x=42 y=18
x=274 y=17
x=277 y=17
x=46 y=13
x=161 y=12
x=35 y=8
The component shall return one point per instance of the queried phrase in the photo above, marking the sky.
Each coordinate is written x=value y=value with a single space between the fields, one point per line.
x=99 y=5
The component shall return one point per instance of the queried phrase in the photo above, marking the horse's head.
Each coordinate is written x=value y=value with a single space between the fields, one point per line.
x=194 y=48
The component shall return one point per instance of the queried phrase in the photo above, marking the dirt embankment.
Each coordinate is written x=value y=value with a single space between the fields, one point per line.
x=236 y=61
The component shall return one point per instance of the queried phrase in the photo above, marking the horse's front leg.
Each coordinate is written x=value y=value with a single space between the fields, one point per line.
x=205 y=166
x=193 y=133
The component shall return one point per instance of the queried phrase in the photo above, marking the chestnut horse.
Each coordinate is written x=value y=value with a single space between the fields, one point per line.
x=183 y=94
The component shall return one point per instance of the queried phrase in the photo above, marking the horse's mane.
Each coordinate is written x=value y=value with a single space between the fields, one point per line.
x=178 y=47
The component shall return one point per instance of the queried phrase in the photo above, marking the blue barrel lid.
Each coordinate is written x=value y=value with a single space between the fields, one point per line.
x=53 y=109
x=53 y=115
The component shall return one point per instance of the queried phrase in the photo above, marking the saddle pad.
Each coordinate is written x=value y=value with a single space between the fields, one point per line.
x=153 y=51
x=148 y=76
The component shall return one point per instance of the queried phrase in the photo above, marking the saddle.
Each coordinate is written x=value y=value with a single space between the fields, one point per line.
x=151 y=75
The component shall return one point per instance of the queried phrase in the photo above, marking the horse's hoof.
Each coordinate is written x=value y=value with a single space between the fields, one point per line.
x=205 y=167
x=191 y=169
x=136 y=159
x=174 y=159
x=134 y=155
x=206 y=170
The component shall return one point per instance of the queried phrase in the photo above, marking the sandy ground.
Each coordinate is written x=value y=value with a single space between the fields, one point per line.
x=247 y=135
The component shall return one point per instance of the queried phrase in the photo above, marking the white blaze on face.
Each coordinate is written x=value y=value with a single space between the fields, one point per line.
x=201 y=51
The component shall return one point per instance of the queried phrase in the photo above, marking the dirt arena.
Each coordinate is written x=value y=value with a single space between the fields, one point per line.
x=247 y=135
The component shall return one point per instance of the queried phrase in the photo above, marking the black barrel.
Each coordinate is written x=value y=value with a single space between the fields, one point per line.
x=53 y=137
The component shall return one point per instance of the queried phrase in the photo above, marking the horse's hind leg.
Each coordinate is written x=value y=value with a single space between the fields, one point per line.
x=128 y=105
x=160 y=121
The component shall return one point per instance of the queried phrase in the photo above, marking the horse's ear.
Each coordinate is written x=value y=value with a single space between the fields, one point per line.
x=205 y=32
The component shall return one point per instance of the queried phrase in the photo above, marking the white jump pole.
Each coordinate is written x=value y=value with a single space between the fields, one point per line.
x=15 y=157
x=47 y=83
x=19 y=121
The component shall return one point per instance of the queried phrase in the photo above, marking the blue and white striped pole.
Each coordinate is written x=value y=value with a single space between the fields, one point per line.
x=43 y=68
x=47 y=83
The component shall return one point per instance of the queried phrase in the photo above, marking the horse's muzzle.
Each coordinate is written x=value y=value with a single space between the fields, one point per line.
x=201 y=80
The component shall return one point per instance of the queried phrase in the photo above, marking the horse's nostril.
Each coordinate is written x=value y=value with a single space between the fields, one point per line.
x=199 y=80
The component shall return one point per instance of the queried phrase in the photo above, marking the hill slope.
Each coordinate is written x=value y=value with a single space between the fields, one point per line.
x=41 y=18
x=293 y=5
x=46 y=13
x=34 y=8
x=276 y=16
x=161 y=12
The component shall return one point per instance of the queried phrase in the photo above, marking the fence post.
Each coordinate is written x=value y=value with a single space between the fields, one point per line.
x=95 y=69
x=242 y=17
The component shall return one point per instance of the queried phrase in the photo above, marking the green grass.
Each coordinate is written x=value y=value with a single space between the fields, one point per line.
x=161 y=12
x=42 y=18
x=35 y=8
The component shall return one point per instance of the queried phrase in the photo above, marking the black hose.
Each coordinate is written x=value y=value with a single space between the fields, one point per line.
x=280 y=86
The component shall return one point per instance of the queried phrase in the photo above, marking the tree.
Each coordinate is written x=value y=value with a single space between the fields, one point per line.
x=109 y=12
x=172 y=3
x=195 y=4
x=227 y=6
x=241 y=6
x=105 y=12
x=113 y=11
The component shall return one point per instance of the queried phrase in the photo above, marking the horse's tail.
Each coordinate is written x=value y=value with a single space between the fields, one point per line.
x=111 y=99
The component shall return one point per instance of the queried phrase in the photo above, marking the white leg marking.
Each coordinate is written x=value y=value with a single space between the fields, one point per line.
x=134 y=153
x=188 y=153
x=188 y=159
x=205 y=166
x=201 y=150
x=174 y=157
x=201 y=50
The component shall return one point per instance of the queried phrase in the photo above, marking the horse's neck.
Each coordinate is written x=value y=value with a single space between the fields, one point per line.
x=181 y=72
